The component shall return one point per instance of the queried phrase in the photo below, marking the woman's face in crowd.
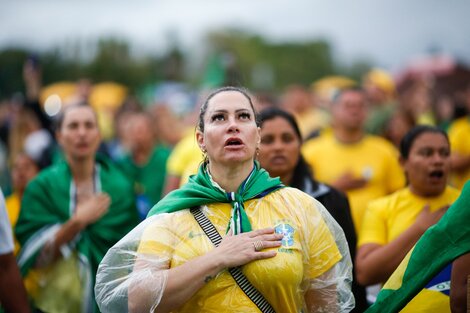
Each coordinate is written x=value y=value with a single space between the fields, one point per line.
x=230 y=131
x=79 y=135
x=280 y=147
x=428 y=164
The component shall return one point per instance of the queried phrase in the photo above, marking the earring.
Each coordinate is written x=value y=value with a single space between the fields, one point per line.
x=204 y=154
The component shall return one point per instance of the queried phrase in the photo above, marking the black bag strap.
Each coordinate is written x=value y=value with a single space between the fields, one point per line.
x=236 y=272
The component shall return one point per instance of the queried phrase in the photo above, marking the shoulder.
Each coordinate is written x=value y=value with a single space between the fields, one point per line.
x=321 y=140
x=111 y=174
x=459 y=125
x=380 y=144
x=389 y=201
x=452 y=192
x=50 y=175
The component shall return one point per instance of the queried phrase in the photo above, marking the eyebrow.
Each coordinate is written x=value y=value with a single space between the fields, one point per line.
x=226 y=111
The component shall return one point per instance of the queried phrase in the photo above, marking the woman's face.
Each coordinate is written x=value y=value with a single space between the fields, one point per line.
x=230 y=131
x=79 y=135
x=280 y=147
x=428 y=164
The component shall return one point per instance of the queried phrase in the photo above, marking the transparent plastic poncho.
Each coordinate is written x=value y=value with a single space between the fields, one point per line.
x=311 y=272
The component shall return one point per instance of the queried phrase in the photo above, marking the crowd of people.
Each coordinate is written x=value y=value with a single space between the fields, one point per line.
x=283 y=203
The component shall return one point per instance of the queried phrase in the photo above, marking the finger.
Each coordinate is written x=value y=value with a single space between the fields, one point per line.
x=264 y=255
x=270 y=237
x=260 y=232
x=271 y=244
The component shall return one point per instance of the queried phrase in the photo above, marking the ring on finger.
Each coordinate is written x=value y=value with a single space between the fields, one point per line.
x=258 y=245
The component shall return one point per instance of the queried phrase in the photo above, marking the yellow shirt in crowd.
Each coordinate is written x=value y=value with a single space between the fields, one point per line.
x=388 y=217
x=185 y=153
x=459 y=136
x=372 y=158
x=13 y=204
x=308 y=250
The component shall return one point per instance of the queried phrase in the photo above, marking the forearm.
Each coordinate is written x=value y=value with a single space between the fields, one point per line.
x=176 y=285
x=377 y=264
x=64 y=235
x=185 y=280
x=12 y=292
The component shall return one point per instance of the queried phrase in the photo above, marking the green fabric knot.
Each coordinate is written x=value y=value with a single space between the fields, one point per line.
x=201 y=189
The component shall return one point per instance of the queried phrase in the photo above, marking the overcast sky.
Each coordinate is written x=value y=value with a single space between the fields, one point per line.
x=386 y=32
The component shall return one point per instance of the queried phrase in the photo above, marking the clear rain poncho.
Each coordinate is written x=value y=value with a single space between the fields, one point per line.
x=312 y=266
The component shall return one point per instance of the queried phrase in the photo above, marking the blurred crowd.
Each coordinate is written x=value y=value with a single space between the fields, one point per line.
x=350 y=138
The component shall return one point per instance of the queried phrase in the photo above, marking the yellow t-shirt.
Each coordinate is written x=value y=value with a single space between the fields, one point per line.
x=372 y=158
x=13 y=204
x=387 y=218
x=459 y=136
x=185 y=153
x=308 y=251
x=312 y=120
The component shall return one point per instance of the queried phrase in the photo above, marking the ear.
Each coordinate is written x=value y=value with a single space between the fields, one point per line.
x=200 y=139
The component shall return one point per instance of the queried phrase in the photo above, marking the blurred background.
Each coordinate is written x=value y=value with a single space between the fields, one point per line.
x=160 y=55
x=260 y=44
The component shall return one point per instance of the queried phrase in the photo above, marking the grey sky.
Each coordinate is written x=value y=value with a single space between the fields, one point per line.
x=386 y=32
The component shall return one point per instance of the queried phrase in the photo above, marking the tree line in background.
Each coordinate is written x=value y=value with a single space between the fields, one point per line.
x=231 y=57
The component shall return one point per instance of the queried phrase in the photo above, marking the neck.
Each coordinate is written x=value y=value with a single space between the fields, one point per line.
x=348 y=136
x=82 y=170
x=230 y=178
x=424 y=194
x=286 y=179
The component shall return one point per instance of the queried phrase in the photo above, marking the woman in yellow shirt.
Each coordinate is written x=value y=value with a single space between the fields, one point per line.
x=279 y=238
x=393 y=224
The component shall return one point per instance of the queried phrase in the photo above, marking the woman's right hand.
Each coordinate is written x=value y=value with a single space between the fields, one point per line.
x=236 y=250
x=426 y=218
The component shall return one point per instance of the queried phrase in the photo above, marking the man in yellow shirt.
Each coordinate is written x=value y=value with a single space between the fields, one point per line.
x=364 y=166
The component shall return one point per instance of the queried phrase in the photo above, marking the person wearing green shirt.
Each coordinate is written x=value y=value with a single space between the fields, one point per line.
x=71 y=214
x=145 y=164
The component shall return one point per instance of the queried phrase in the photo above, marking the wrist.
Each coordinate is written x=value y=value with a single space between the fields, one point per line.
x=77 y=223
x=216 y=261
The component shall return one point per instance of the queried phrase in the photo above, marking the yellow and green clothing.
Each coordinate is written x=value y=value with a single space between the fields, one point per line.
x=431 y=256
x=459 y=134
x=388 y=217
x=13 y=203
x=308 y=250
x=372 y=158
x=48 y=202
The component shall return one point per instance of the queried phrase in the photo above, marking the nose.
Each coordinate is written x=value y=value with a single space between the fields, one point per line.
x=81 y=130
x=438 y=158
x=233 y=126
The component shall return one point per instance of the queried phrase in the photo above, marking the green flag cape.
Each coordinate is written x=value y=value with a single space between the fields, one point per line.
x=200 y=190
x=49 y=202
x=439 y=246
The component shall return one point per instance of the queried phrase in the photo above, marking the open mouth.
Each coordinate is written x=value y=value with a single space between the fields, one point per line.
x=436 y=174
x=233 y=142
